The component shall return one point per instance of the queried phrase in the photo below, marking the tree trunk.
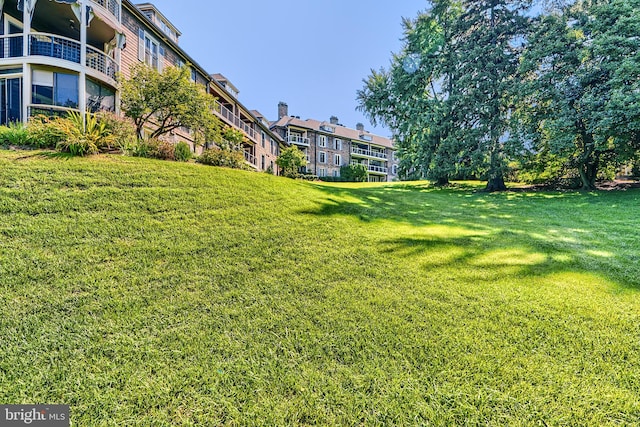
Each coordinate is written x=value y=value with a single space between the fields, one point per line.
x=495 y=183
x=588 y=177
x=442 y=181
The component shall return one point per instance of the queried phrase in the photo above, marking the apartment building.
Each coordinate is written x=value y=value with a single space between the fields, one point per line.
x=158 y=46
x=58 y=56
x=328 y=145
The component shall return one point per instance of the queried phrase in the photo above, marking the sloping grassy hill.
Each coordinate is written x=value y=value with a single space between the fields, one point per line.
x=143 y=292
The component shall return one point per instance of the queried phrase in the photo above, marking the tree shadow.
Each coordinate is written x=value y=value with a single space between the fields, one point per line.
x=535 y=233
x=53 y=155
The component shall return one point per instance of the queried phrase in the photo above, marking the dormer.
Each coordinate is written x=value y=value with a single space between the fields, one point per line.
x=226 y=84
x=160 y=21
x=327 y=128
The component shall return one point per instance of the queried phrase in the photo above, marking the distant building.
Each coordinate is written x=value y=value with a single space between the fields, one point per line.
x=328 y=145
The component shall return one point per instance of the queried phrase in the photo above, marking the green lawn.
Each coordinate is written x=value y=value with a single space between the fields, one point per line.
x=143 y=292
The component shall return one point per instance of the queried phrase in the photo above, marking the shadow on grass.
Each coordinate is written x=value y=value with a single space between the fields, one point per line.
x=53 y=155
x=523 y=233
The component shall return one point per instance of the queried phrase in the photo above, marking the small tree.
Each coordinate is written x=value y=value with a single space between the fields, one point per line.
x=353 y=173
x=168 y=101
x=231 y=139
x=290 y=160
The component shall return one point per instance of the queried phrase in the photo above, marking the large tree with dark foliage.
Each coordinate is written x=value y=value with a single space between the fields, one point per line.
x=449 y=95
x=582 y=92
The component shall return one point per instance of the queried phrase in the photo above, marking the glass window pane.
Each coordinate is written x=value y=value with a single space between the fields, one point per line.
x=42 y=95
x=66 y=90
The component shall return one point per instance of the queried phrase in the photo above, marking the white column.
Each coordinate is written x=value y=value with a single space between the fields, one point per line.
x=82 y=80
x=26 y=67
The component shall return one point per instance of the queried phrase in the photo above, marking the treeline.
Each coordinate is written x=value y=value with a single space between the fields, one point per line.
x=498 y=89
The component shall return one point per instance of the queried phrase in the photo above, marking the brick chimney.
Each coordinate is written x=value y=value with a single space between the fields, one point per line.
x=360 y=127
x=333 y=120
x=283 y=110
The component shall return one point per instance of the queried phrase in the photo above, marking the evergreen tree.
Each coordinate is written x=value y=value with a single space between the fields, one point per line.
x=583 y=86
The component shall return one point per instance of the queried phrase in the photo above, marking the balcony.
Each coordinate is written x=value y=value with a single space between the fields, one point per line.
x=298 y=140
x=101 y=62
x=251 y=159
x=368 y=153
x=373 y=168
x=53 y=46
x=113 y=6
x=235 y=120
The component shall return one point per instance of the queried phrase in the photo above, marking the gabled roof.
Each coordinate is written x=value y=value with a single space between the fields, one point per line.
x=340 y=131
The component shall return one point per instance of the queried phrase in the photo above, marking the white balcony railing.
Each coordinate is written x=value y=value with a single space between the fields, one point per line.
x=235 y=120
x=101 y=62
x=298 y=140
x=368 y=153
x=373 y=168
x=11 y=46
x=54 y=46
x=250 y=158
x=113 y=6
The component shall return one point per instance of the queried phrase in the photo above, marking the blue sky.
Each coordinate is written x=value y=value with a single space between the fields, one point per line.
x=312 y=55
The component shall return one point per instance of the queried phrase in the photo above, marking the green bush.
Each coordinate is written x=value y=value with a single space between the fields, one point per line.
x=121 y=129
x=224 y=158
x=155 y=149
x=182 y=152
x=15 y=134
x=48 y=132
x=354 y=173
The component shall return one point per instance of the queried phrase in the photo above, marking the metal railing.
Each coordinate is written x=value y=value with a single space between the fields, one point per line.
x=53 y=46
x=112 y=6
x=101 y=62
x=368 y=153
x=250 y=158
x=379 y=169
x=235 y=120
x=11 y=46
x=295 y=139
x=373 y=168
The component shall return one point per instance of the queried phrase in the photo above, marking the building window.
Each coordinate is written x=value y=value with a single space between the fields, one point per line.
x=262 y=163
x=337 y=159
x=322 y=172
x=272 y=146
x=194 y=75
x=149 y=50
x=395 y=156
x=394 y=170
x=336 y=173
x=322 y=157
x=100 y=98
x=264 y=138
x=51 y=88
x=322 y=141
x=338 y=144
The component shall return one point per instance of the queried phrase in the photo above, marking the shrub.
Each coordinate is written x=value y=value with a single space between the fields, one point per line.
x=48 y=132
x=353 y=173
x=15 y=134
x=182 y=152
x=165 y=151
x=155 y=149
x=224 y=158
x=121 y=129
